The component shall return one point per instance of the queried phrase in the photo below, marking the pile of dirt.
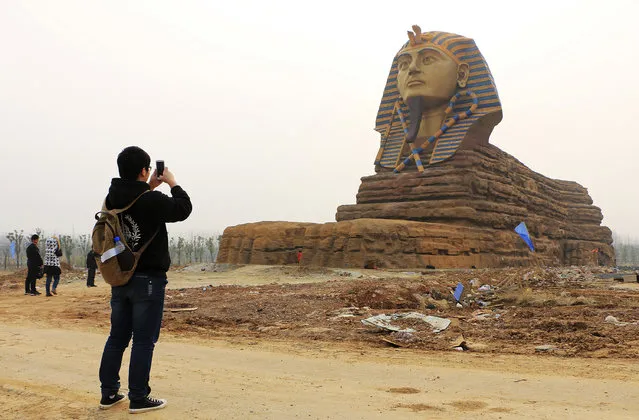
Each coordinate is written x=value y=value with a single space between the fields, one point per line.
x=65 y=266
x=297 y=271
x=562 y=309
x=196 y=267
x=517 y=310
x=13 y=280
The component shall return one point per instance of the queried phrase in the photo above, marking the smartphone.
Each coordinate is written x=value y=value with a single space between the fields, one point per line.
x=159 y=166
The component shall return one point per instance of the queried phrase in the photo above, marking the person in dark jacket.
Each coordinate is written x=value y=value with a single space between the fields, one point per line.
x=34 y=267
x=137 y=307
x=91 y=267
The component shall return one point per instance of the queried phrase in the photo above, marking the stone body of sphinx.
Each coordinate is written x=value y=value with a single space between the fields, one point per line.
x=442 y=195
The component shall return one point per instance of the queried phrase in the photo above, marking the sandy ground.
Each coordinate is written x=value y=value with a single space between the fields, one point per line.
x=50 y=350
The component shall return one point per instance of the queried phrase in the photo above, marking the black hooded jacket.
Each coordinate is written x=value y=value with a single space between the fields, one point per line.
x=34 y=259
x=148 y=215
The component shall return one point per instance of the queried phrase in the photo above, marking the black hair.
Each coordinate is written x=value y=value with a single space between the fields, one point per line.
x=34 y=237
x=131 y=161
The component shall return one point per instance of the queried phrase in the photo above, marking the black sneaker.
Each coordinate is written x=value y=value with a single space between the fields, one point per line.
x=111 y=400
x=147 y=404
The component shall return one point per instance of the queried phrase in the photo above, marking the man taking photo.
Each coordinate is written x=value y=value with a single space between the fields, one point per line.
x=137 y=307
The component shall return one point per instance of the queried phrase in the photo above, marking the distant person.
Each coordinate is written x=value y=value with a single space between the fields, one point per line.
x=136 y=307
x=34 y=267
x=299 y=257
x=52 y=255
x=91 y=267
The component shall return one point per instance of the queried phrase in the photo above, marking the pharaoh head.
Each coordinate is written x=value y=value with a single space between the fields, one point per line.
x=426 y=70
x=429 y=71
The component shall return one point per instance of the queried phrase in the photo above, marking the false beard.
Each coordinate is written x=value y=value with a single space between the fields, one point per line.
x=416 y=105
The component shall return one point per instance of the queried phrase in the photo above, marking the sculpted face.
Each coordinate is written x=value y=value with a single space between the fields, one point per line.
x=430 y=74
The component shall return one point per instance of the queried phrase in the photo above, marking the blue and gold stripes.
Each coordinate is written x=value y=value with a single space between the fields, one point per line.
x=480 y=83
x=462 y=115
x=414 y=151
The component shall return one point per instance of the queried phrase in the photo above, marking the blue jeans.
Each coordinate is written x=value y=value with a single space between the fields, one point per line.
x=56 y=280
x=136 y=310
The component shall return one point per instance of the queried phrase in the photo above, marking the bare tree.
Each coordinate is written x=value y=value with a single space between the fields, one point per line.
x=42 y=245
x=67 y=242
x=172 y=249
x=18 y=237
x=6 y=253
x=180 y=247
x=212 y=246
x=626 y=250
x=84 y=243
x=188 y=251
x=199 y=248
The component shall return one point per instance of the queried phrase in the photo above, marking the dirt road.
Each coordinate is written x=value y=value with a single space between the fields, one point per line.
x=49 y=370
x=51 y=373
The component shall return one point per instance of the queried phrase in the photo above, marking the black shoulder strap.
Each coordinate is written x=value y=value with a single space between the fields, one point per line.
x=147 y=243
x=118 y=211
x=115 y=212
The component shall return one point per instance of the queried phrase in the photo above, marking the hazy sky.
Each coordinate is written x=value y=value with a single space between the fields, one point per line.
x=264 y=110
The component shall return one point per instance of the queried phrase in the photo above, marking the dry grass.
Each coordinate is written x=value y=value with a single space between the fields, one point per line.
x=419 y=407
x=537 y=298
x=404 y=390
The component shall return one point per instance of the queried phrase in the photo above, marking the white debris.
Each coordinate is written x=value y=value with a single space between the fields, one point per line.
x=545 y=348
x=612 y=320
x=383 y=321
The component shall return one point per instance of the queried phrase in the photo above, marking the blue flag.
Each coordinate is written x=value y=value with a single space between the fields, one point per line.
x=458 y=291
x=523 y=232
x=12 y=248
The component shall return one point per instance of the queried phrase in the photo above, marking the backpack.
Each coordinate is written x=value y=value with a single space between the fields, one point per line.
x=117 y=270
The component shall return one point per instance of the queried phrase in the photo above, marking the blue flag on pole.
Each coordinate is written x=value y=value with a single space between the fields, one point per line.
x=12 y=248
x=523 y=232
x=458 y=291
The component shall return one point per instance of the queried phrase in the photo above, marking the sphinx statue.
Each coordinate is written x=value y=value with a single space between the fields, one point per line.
x=439 y=96
x=442 y=195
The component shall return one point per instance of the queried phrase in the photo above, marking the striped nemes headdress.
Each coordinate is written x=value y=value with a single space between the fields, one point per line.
x=480 y=82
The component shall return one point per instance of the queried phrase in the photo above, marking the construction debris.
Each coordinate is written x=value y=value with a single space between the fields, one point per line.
x=613 y=320
x=383 y=321
x=180 y=309
x=545 y=348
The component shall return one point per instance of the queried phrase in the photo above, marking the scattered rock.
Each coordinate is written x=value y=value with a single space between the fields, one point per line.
x=545 y=348
x=613 y=320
